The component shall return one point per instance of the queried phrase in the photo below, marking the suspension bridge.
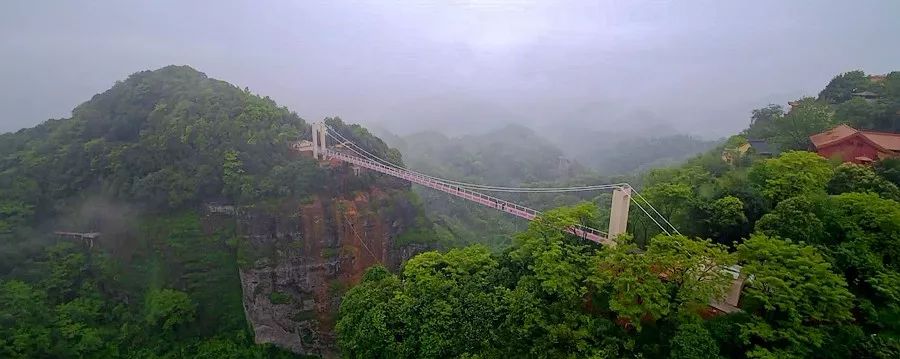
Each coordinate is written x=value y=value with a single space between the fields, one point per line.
x=623 y=196
x=622 y=193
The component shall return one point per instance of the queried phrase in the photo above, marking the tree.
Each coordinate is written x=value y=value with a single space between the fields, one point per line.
x=762 y=120
x=445 y=306
x=889 y=169
x=79 y=324
x=850 y=177
x=864 y=114
x=858 y=233
x=557 y=263
x=794 y=295
x=233 y=175
x=842 y=86
x=24 y=319
x=791 y=174
x=449 y=306
x=676 y=275
x=792 y=131
x=64 y=265
x=14 y=214
x=366 y=317
x=864 y=244
x=634 y=289
x=690 y=175
x=549 y=270
x=795 y=218
x=693 y=341
x=726 y=218
x=169 y=308
x=674 y=201
x=858 y=219
x=737 y=183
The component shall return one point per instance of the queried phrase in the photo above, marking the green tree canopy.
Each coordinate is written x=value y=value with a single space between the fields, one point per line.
x=889 y=169
x=792 y=174
x=794 y=294
x=693 y=341
x=850 y=177
x=169 y=308
x=676 y=275
x=792 y=131
x=842 y=86
x=762 y=120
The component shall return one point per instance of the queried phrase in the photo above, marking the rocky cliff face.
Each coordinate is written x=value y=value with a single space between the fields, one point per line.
x=298 y=259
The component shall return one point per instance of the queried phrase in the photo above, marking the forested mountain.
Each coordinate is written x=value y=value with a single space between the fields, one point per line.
x=163 y=139
x=816 y=241
x=140 y=164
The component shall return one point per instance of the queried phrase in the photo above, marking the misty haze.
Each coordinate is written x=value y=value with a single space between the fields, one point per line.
x=462 y=66
x=449 y=179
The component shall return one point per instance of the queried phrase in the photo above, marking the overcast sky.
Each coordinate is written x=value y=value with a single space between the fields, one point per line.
x=671 y=66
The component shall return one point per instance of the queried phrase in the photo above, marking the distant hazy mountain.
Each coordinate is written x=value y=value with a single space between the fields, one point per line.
x=619 y=153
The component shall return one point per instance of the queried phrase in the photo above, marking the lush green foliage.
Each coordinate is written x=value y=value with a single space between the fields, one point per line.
x=879 y=113
x=791 y=131
x=889 y=168
x=796 y=297
x=792 y=174
x=817 y=243
x=551 y=295
x=676 y=276
x=693 y=341
x=850 y=177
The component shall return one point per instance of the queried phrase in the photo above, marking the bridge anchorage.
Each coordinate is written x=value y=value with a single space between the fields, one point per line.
x=348 y=152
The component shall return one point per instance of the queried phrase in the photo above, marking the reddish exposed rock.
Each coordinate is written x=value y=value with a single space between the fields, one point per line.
x=297 y=260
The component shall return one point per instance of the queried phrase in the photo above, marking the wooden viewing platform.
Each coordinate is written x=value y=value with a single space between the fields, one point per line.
x=83 y=236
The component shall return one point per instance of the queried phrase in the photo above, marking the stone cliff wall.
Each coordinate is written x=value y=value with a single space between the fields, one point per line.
x=298 y=259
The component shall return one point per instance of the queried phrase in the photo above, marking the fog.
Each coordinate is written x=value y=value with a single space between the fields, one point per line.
x=662 y=67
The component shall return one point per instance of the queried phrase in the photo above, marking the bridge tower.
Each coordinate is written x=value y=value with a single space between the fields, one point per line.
x=319 y=138
x=618 y=214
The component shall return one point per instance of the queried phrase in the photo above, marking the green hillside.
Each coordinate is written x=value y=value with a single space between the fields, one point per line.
x=137 y=163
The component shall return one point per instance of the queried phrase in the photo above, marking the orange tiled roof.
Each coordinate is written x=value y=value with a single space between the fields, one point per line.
x=833 y=135
x=890 y=141
x=885 y=140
